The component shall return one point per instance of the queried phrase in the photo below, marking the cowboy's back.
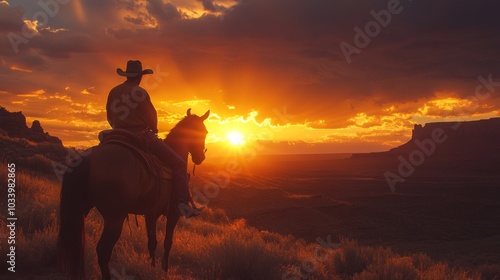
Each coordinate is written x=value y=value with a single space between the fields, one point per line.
x=129 y=107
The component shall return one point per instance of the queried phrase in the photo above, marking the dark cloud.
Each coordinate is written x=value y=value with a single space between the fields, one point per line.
x=135 y=20
x=30 y=62
x=208 y=5
x=286 y=52
x=10 y=19
x=427 y=48
x=315 y=53
x=62 y=44
x=163 y=11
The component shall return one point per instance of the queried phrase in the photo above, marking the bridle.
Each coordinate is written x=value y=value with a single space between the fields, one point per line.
x=194 y=164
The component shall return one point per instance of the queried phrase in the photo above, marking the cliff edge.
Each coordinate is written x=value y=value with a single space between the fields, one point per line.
x=14 y=125
x=453 y=140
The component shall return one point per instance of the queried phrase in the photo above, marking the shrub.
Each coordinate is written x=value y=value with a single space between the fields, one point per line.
x=490 y=272
x=351 y=258
x=444 y=272
x=396 y=268
x=210 y=247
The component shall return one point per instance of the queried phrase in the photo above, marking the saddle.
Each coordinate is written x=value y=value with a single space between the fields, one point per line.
x=130 y=141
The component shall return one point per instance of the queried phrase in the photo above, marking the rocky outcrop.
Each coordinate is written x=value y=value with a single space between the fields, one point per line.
x=461 y=139
x=451 y=140
x=14 y=125
x=473 y=129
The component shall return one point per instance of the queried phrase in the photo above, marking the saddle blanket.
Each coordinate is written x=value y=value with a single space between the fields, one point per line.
x=130 y=141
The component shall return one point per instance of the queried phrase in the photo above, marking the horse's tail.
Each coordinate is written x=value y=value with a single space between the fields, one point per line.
x=71 y=240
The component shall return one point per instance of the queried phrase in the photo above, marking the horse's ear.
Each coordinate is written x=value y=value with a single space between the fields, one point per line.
x=189 y=112
x=204 y=117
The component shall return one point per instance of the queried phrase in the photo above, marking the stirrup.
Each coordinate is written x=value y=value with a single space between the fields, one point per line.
x=188 y=211
x=201 y=208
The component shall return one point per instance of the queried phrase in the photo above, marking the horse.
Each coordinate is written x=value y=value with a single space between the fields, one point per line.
x=112 y=178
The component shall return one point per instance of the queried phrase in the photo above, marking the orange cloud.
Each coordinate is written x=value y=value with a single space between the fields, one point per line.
x=270 y=70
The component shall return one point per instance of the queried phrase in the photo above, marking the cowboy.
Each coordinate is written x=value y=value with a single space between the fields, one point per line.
x=129 y=107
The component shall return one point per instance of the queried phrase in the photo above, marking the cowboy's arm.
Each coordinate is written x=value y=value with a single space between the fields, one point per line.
x=152 y=118
x=108 y=111
x=149 y=113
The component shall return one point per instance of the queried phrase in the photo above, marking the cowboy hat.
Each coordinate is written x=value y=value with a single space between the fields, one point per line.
x=134 y=69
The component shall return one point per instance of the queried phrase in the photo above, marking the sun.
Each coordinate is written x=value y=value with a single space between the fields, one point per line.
x=235 y=138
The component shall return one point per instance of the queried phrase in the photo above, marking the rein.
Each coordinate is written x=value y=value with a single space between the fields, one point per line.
x=194 y=165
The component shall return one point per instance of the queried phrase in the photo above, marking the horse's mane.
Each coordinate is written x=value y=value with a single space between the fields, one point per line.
x=190 y=122
x=184 y=121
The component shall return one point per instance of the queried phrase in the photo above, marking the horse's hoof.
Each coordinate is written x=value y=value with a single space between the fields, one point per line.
x=164 y=265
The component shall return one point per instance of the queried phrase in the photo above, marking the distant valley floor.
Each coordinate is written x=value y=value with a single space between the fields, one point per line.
x=448 y=211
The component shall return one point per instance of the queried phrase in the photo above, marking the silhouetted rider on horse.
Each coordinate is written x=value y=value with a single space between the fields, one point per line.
x=129 y=107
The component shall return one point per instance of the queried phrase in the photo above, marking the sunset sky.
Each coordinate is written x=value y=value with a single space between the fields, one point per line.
x=269 y=70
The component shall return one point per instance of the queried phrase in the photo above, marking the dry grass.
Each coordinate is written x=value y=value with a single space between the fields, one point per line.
x=31 y=155
x=211 y=247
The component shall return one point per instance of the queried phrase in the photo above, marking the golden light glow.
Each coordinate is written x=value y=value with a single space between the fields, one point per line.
x=15 y=68
x=32 y=25
x=235 y=138
x=450 y=103
x=235 y=133
x=79 y=10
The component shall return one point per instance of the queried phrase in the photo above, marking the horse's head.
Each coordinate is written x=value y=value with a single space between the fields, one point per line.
x=188 y=136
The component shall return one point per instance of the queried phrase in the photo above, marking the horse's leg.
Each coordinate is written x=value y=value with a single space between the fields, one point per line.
x=152 y=242
x=111 y=233
x=172 y=219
